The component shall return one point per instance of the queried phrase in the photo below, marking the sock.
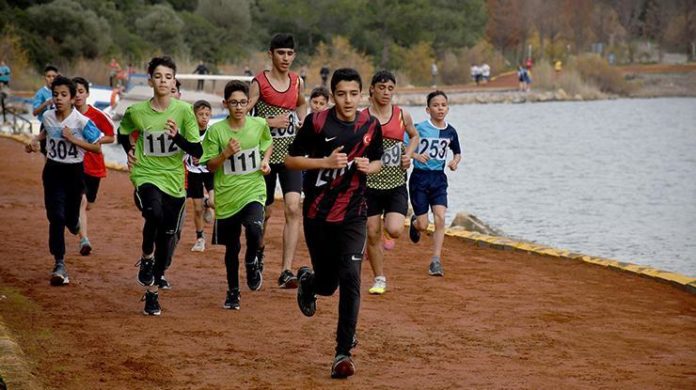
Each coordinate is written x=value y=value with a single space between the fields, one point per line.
x=436 y=259
x=199 y=234
x=60 y=261
x=149 y=257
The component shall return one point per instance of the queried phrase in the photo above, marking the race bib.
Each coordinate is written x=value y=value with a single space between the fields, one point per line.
x=392 y=156
x=435 y=148
x=59 y=149
x=243 y=162
x=328 y=175
x=290 y=131
x=158 y=144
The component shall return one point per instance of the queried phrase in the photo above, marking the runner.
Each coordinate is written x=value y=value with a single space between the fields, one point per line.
x=386 y=190
x=319 y=99
x=168 y=129
x=94 y=167
x=338 y=147
x=233 y=151
x=43 y=100
x=68 y=134
x=277 y=96
x=199 y=180
x=428 y=182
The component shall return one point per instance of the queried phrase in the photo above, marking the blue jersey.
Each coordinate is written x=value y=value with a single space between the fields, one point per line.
x=434 y=142
x=41 y=96
x=5 y=73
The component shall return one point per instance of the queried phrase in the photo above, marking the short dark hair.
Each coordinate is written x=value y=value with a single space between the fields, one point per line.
x=234 y=86
x=382 y=77
x=157 y=61
x=62 y=80
x=82 y=81
x=345 y=74
x=49 y=68
x=282 y=41
x=178 y=85
x=319 y=91
x=433 y=94
x=201 y=104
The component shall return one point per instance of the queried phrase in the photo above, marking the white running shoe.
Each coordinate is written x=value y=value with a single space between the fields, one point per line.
x=199 y=246
x=380 y=286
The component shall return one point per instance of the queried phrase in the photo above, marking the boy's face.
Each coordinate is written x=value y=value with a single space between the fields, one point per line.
x=162 y=80
x=61 y=98
x=318 y=103
x=203 y=117
x=49 y=77
x=346 y=96
x=175 y=92
x=438 y=108
x=382 y=92
x=81 y=95
x=282 y=58
x=237 y=104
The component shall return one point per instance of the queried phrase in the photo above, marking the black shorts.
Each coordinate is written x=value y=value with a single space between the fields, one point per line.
x=227 y=231
x=91 y=187
x=381 y=202
x=196 y=183
x=290 y=181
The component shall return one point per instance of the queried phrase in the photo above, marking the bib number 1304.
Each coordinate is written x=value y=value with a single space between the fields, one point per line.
x=244 y=161
x=158 y=145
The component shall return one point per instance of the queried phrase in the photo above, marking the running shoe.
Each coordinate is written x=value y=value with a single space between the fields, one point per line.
x=146 y=275
x=254 y=275
x=287 y=280
x=85 y=246
x=413 y=233
x=305 y=299
x=436 y=269
x=388 y=243
x=380 y=286
x=152 y=306
x=163 y=283
x=343 y=367
x=260 y=256
x=232 y=300
x=199 y=246
x=59 y=277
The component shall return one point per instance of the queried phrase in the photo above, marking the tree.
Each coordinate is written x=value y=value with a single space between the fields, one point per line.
x=163 y=29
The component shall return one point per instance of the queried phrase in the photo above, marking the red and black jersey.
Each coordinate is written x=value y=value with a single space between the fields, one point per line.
x=337 y=195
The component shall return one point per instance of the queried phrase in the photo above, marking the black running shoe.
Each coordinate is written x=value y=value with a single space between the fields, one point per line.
x=305 y=299
x=59 y=277
x=413 y=233
x=254 y=275
x=232 y=300
x=259 y=257
x=287 y=280
x=146 y=274
x=343 y=367
x=163 y=283
x=152 y=306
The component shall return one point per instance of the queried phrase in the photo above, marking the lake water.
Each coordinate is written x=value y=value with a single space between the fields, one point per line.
x=613 y=179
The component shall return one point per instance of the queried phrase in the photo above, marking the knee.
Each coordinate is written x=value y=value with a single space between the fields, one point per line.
x=292 y=211
x=153 y=214
x=394 y=231
x=373 y=234
x=439 y=221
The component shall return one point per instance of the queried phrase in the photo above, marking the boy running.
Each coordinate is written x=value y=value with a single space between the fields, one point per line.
x=428 y=182
x=43 y=100
x=237 y=150
x=94 y=167
x=168 y=129
x=386 y=190
x=68 y=134
x=199 y=179
x=338 y=147
x=277 y=96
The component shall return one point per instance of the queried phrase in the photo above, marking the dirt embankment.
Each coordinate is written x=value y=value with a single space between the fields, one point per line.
x=496 y=320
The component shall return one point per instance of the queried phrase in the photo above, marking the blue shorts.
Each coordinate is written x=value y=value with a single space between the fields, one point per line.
x=427 y=188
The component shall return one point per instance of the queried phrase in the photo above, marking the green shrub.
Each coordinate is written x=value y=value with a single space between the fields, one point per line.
x=597 y=71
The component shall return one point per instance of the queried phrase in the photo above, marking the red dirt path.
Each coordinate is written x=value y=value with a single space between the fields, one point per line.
x=497 y=319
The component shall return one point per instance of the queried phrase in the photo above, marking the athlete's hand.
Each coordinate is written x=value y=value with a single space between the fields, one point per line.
x=362 y=164
x=131 y=159
x=421 y=157
x=336 y=159
x=279 y=122
x=67 y=134
x=171 y=129
x=452 y=165
x=405 y=161
x=32 y=146
x=232 y=148
x=265 y=167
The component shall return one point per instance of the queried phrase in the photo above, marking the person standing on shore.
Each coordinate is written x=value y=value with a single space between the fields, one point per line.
x=276 y=95
x=94 y=167
x=428 y=183
x=68 y=134
x=386 y=192
x=338 y=147
x=168 y=129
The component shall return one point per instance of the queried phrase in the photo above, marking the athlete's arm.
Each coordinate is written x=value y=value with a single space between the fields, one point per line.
x=335 y=160
x=193 y=148
x=301 y=103
x=254 y=94
x=265 y=164
x=95 y=147
x=413 y=136
x=125 y=141
x=230 y=149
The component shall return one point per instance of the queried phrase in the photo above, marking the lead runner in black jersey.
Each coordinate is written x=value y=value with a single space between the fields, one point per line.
x=338 y=148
